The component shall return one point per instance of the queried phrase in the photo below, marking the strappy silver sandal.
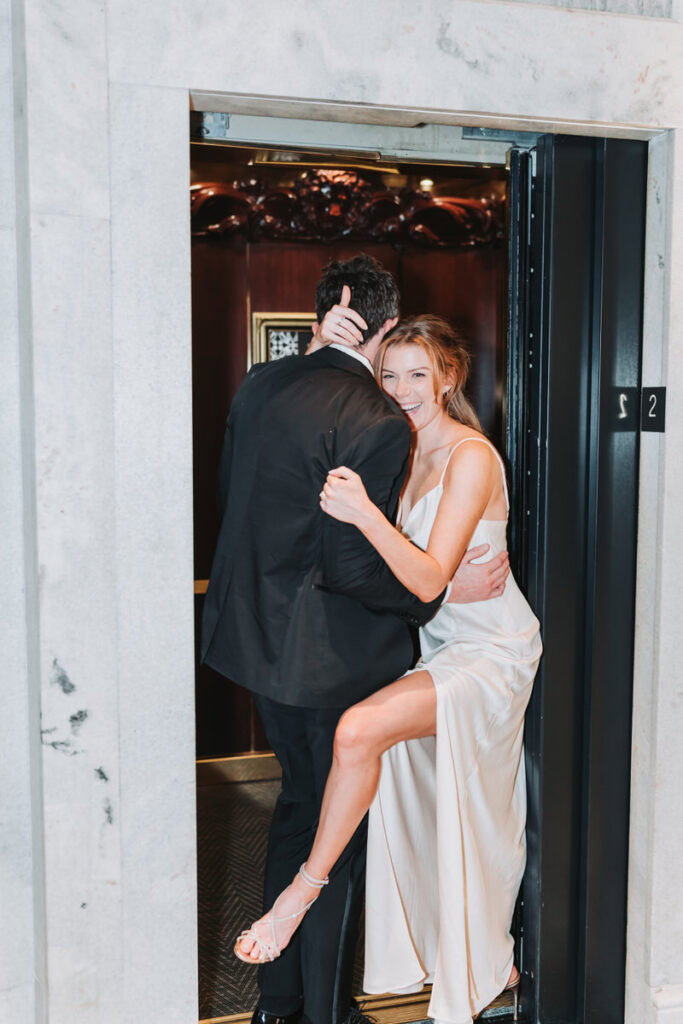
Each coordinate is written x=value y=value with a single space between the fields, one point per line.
x=512 y=986
x=268 y=951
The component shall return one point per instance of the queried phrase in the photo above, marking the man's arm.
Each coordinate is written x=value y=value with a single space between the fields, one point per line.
x=351 y=565
x=225 y=463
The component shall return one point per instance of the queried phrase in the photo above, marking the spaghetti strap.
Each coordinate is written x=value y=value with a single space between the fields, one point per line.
x=483 y=440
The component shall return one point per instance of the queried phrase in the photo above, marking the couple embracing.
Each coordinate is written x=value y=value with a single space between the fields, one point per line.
x=360 y=498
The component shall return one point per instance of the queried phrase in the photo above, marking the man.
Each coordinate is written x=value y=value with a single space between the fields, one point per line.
x=302 y=610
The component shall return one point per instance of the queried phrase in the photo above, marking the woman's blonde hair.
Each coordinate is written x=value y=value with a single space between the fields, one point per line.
x=448 y=356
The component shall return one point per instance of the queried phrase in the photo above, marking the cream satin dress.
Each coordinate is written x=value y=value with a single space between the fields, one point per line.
x=446 y=845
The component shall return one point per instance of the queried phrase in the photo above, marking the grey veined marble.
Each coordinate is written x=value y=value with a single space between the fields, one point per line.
x=641 y=8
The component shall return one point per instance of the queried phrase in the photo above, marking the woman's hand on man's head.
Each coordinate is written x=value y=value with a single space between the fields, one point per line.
x=341 y=324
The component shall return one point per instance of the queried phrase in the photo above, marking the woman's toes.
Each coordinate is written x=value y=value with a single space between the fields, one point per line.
x=248 y=947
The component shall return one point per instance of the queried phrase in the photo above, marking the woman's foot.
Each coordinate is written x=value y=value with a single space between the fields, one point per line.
x=513 y=986
x=513 y=980
x=268 y=936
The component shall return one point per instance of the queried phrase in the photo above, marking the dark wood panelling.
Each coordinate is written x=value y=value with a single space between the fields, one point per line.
x=219 y=363
x=283 y=276
x=464 y=288
x=222 y=710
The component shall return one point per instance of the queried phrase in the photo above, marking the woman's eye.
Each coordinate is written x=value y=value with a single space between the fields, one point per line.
x=417 y=374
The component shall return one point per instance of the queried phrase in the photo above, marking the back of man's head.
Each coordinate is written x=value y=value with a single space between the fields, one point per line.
x=374 y=293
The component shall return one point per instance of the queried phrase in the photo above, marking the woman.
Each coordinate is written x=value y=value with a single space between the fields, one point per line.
x=437 y=755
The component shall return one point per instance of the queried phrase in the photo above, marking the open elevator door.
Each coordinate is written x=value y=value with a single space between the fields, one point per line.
x=428 y=146
x=576 y=230
x=436 y=224
x=576 y=235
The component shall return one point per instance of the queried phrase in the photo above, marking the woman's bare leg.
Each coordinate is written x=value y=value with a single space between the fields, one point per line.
x=403 y=710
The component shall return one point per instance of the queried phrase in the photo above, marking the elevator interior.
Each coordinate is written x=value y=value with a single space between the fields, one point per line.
x=265 y=221
x=567 y=342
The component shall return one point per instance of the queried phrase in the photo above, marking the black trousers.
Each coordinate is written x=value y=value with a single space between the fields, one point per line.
x=314 y=972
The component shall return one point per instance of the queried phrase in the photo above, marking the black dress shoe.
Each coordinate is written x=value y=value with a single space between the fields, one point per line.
x=357 y=1017
x=261 y=1017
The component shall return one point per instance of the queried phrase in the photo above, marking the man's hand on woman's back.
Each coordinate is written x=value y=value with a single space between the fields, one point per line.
x=479 y=581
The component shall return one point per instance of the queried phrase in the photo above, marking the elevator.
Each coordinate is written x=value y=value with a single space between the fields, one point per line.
x=551 y=228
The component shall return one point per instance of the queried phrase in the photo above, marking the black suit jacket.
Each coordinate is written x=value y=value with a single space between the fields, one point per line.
x=300 y=607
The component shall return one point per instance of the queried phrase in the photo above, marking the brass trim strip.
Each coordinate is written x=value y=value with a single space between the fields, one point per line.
x=257 y=767
x=386 y=1009
x=392 y=1009
x=234 y=757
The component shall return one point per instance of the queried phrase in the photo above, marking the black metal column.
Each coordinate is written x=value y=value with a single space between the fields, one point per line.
x=574 y=345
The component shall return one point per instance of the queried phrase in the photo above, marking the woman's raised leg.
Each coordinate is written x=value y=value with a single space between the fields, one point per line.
x=403 y=710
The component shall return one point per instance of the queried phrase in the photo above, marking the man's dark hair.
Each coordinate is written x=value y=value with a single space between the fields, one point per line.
x=374 y=293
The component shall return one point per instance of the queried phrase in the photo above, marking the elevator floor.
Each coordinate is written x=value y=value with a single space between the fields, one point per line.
x=232 y=832
x=233 y=824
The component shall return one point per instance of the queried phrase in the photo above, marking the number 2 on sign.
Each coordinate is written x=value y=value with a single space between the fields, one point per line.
x=623 y=399
x=653 y=403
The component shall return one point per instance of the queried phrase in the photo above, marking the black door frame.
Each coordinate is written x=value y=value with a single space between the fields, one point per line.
x=577 y=230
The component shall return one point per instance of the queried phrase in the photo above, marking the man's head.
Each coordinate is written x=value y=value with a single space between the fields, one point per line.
x=374 y=293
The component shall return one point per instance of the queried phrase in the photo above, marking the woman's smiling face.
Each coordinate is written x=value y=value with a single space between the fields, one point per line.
x=408 y=376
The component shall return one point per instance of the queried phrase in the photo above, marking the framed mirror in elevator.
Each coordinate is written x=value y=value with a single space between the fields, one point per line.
x=571 y=283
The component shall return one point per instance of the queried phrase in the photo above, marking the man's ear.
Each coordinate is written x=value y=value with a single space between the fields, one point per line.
x=387 y=326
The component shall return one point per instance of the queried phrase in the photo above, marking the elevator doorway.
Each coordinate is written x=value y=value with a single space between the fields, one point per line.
x=558 y=248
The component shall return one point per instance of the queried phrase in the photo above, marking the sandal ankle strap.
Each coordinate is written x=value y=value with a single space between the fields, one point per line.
x=317 y=883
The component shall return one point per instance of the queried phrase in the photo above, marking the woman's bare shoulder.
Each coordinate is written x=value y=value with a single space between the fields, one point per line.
x=471 y=461
x=485 y=449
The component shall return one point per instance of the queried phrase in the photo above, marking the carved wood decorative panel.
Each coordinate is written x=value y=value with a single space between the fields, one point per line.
x=336 y=205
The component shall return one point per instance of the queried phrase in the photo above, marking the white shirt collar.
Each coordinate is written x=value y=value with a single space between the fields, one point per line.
x=355 y=353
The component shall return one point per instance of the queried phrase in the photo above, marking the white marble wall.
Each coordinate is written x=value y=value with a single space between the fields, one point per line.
x=642 y=8
x=67 y=157
x=111 y=739
x=22 y=964
x=95 y=237
x=655 y=927
x=659 y=753
x=150 y=241
x=491 y=58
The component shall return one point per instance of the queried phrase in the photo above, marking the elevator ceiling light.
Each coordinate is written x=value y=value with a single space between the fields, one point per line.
x=426 y=183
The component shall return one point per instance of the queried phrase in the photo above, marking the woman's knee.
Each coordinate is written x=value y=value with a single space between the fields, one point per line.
x=356 y=738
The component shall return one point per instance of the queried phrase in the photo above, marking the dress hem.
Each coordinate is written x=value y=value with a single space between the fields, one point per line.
x=500 y=988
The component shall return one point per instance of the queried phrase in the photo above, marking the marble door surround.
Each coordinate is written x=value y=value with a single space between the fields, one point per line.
x=98 y=805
